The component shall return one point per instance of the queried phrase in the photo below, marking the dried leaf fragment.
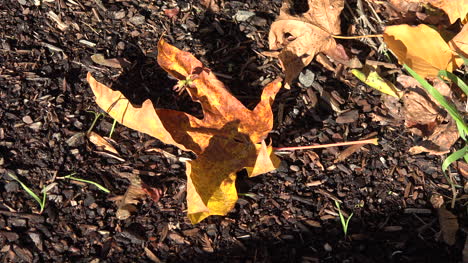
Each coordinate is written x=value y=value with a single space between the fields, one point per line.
x=460 y=42
x=301 y=37
x=227 y=139
x=99 y=141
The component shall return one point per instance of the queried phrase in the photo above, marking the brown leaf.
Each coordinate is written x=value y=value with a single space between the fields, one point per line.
x=302 y=36
x=460 y=42
x=448 y=225
x=111 y=62
x=227 y=139
x=136 y=191
x=440 y=141
x=99 y=141
x=455 y=9
x=127 y=205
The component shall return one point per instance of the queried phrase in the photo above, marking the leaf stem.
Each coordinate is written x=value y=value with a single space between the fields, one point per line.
x=372 y=141
x=357 y=37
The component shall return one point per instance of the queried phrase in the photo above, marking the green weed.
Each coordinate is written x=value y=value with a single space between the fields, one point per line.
x=344 y=222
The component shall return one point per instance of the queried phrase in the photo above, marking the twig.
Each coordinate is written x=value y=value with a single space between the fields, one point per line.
x=357 y=37
x=372 y=141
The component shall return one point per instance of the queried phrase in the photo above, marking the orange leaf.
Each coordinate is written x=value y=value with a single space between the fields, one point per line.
x=421 y=48
x=455 y=9
x=227 y=139
x=301 y=37
x=460 y=42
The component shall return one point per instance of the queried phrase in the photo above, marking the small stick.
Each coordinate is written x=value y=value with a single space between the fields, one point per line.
x=357 y=37
x=373 y=141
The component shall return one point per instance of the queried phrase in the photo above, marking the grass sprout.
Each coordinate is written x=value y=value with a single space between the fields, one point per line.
x=344 y=222
x=450 y=108
x=113 y=128
x=71 y=177
x=28 y=190
x=96 y=117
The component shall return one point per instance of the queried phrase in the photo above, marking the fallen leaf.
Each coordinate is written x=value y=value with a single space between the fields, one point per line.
x=455 y=9
x=111 y=62
x=131 y=197
x=136 y=191
x=227 y=139
x=370 y=76
x=425 y=117
x=460 y=42
x=99 y=141
x=448 y=225
x=440 y=141
x=302 y=36
x=416 y=46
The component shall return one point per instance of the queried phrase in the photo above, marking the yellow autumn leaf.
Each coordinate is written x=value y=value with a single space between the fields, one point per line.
x=374 y=80
x=227 y=139
x=421 y=48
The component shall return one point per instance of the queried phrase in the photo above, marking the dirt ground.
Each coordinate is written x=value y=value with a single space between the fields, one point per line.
x=288 y=215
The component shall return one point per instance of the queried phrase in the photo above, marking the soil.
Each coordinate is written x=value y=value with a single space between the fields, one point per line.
x=288 y=215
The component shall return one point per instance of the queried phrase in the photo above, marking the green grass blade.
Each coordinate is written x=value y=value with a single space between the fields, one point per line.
x=28 y=190
x=455 y=156
x=442 y=101
x=455 y=79
x=113 y=128
x=102 y=188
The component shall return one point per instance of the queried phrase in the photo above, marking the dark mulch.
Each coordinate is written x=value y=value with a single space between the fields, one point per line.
x=286 y=216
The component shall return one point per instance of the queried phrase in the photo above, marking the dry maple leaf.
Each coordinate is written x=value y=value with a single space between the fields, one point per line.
x=460 y=42
x=302 y=36
x=421 y=48
x=229 y=138
x=424 y=116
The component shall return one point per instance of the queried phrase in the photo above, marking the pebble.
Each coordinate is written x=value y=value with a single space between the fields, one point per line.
x=243 y=15
x=306 y=78
x=137 y=20
x=294 y=168
x=27 y=119
x=22 y=2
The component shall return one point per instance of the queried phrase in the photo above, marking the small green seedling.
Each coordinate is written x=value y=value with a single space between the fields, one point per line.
x=113 y=128
x=28 y=190
x=71 y=177
x=96 y=117
x=344 y=222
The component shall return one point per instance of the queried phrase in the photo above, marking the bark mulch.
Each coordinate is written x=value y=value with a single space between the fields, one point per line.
x=286 y=216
